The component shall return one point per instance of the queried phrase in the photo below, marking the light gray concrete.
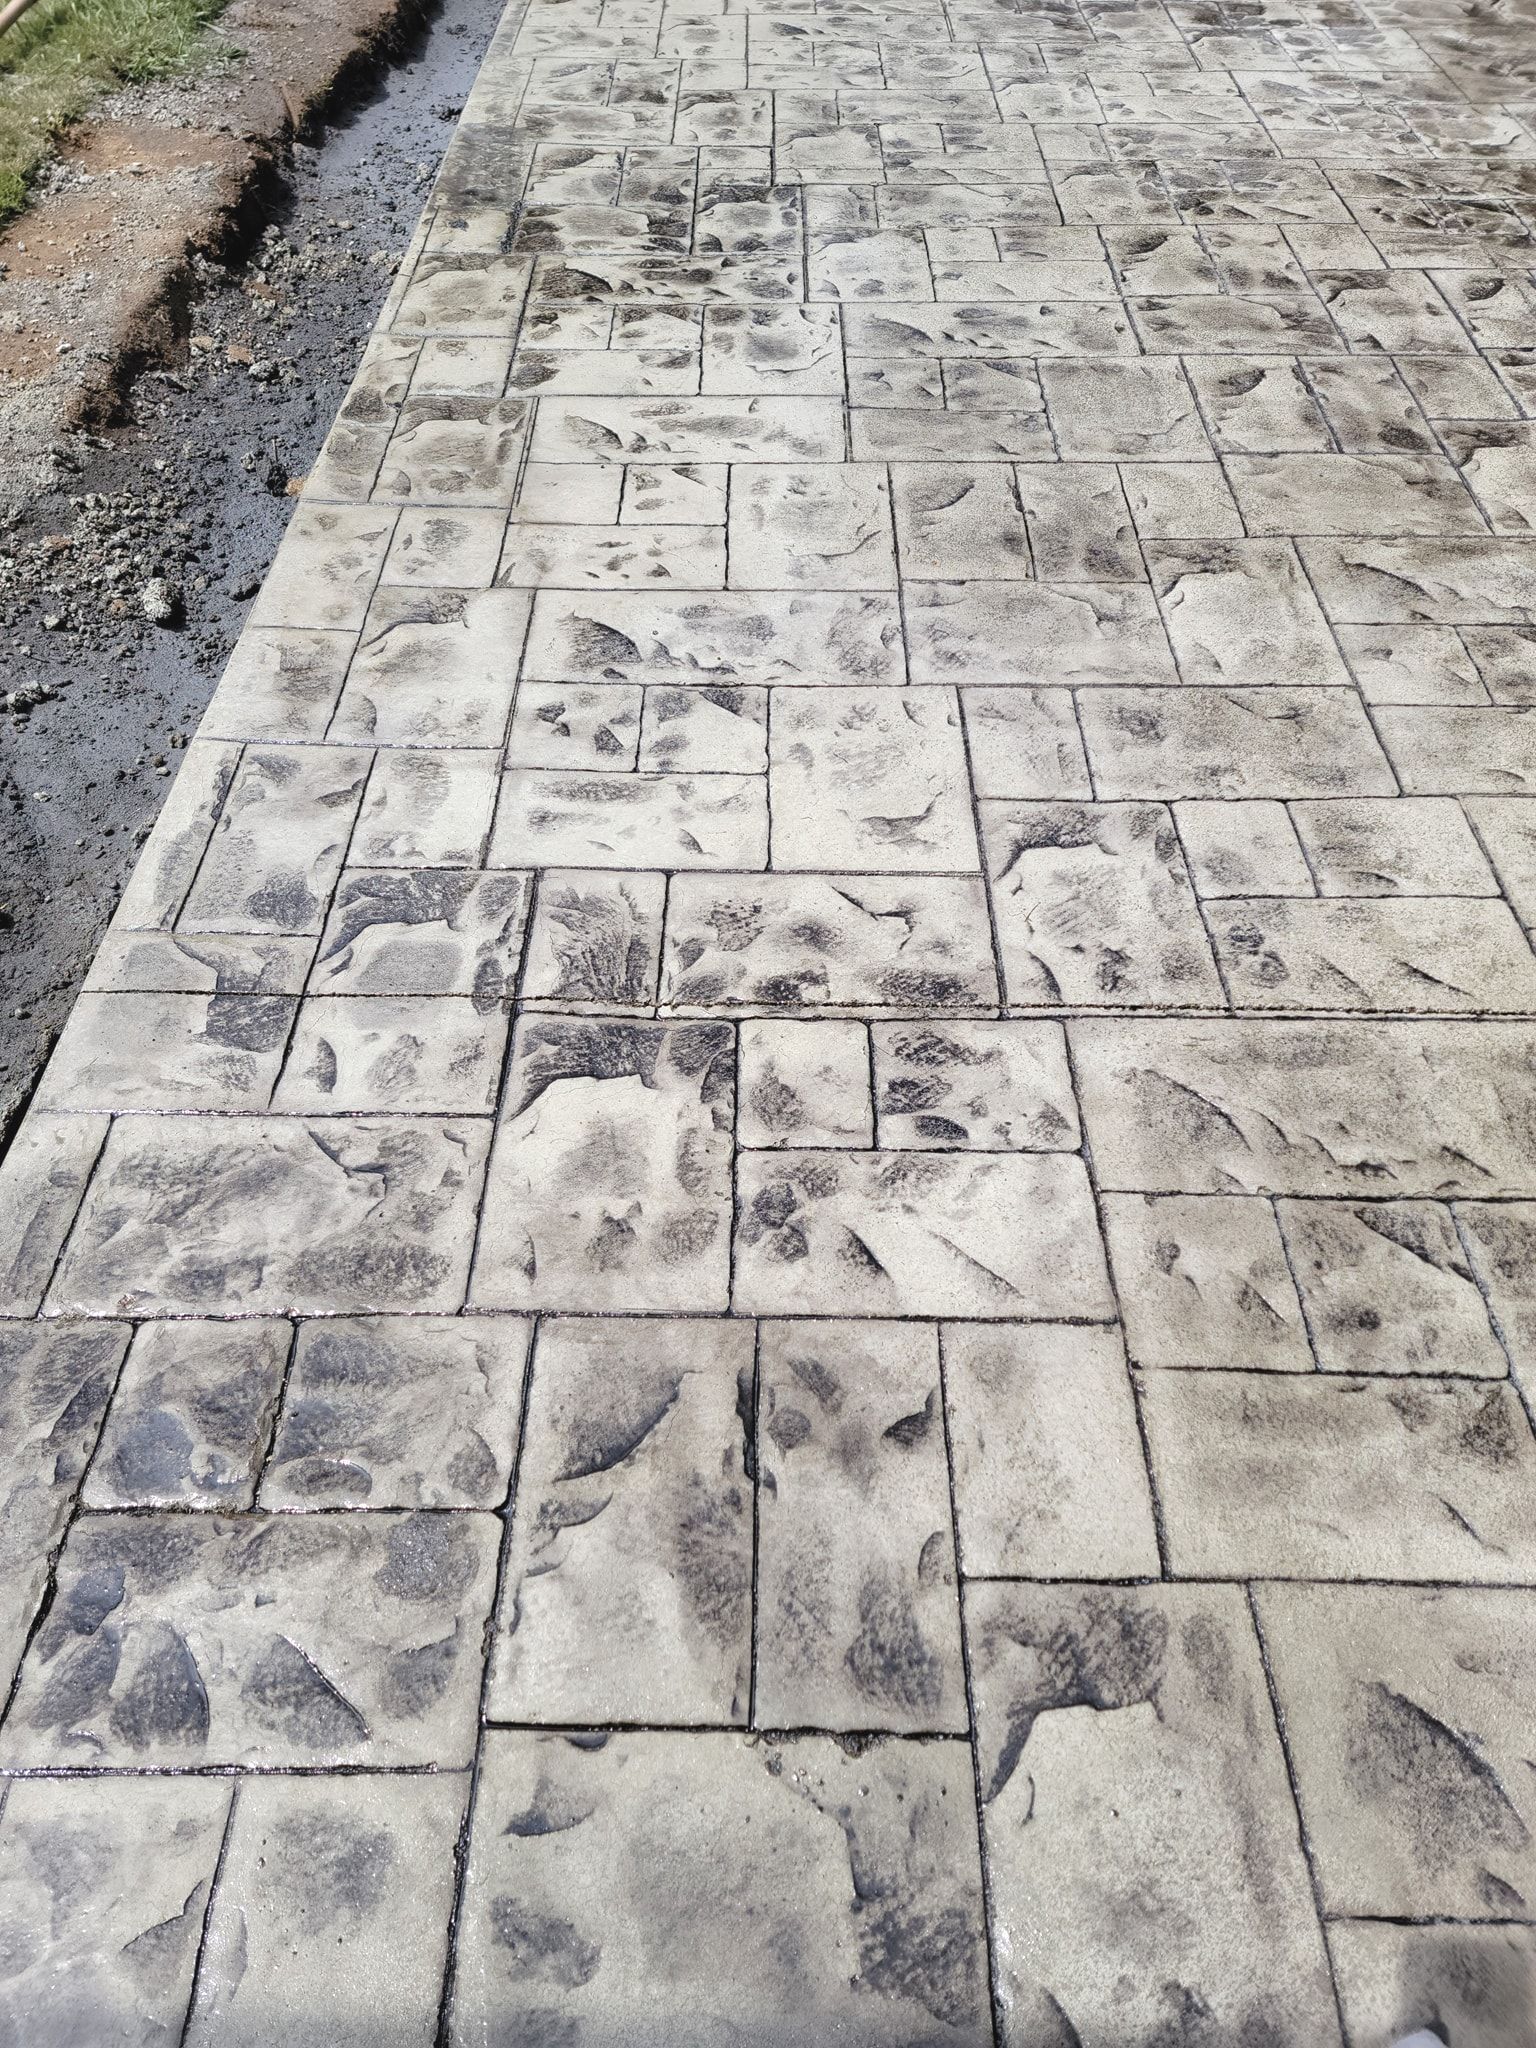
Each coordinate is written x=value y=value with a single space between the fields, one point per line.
x=782 y=1271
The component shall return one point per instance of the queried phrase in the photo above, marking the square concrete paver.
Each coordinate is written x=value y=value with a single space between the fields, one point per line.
x=1252 y=1485
x=1049 y=1473
x=55 y=1383
x=651 y=1887
x=779 y=1285
x=1135 y=1806
x=259 y=1639
x=632 y=1526
x=1203 y=1280
x=329 y=1888
x=1394 y=1981
x=1387 y=1287
x=804 y=1083
x=275 y=1215
x=630 y=1125
x=42 y=1177
x=858 y=1620
x=104 y=1885
x=1408 y=1717
x=926 y=1234
x=399 y=1412
x=192 y=1416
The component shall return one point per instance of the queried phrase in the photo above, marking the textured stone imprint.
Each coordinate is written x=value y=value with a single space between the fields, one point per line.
x=780 y=1285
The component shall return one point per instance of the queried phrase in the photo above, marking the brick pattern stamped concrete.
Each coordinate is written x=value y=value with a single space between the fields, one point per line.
x=780 y=1285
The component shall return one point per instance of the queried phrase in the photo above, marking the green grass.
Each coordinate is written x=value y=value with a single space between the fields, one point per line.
x=66 y=53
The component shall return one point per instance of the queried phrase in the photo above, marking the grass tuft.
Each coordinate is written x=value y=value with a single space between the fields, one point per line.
x=66 y=53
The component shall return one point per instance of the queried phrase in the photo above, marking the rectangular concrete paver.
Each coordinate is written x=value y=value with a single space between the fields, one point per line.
x=778 y=1286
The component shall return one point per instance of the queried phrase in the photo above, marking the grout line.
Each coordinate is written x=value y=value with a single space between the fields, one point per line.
x=987 y=889
x=989 y=1914
x=1286 y=1252
x=1213 y=950
x=733 y=1170
x=67 y=1238
x=1367 y=708
x=1495 y=1320
x=279 y=1411
x=498 y=1108
x=214 y=1886
x=89 y=1318
x=136 y=1331
x=753 y=1446
x=1153 y=1495
x=1307 y=860
x=54 y=1553
x=1479 y=839
x=1302 y=1835
x=463 y=1839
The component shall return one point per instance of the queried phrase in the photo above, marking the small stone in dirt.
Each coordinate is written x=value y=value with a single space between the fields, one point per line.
x=160 y=601
x=244 y=587
x=26 y=696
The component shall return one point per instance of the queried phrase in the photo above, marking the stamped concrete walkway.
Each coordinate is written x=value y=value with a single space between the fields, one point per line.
x=781 y=1285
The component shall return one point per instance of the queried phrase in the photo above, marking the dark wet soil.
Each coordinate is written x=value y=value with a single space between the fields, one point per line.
x=186 y=501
